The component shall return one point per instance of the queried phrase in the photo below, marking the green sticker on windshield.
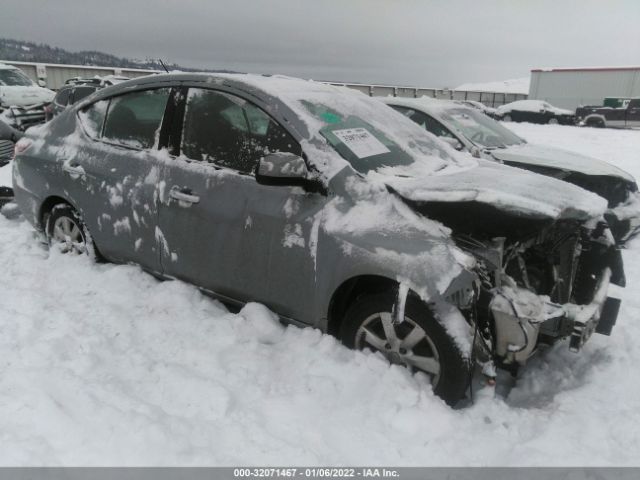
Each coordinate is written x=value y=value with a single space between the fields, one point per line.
x=330 y=117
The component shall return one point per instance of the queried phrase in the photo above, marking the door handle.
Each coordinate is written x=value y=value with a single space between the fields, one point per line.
x=183 y=195
x=73 y=169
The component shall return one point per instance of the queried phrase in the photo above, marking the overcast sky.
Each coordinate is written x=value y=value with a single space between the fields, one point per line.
x=403 y=42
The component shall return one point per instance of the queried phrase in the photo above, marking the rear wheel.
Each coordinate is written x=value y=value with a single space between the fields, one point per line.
x=419 y=342
x=595 y=123
x=66 y=231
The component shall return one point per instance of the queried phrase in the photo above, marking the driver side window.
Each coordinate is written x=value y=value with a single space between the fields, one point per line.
x=230 y=132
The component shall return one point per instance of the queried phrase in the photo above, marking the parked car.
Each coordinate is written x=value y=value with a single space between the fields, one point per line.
x=8 y=137
x=627 y=116
x=534 y=111
x=18 y=90
x=490 y=111
x=75 y=89
x=469 y=130
x=332 y=210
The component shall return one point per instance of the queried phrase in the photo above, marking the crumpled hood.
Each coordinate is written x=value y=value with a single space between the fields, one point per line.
x=18 y=96
x=506 y=188
x=549 y=157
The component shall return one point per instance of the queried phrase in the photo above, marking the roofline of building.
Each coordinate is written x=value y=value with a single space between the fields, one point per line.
x=586 y=69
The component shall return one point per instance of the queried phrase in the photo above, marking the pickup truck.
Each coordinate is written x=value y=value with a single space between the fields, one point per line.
x=624 y=117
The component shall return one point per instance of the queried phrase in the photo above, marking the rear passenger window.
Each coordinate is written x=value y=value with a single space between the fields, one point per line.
x=230 y=132
x=134 y=119
x=92 y=118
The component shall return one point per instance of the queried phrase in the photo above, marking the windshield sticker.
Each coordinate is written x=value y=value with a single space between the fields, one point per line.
x=361 y=142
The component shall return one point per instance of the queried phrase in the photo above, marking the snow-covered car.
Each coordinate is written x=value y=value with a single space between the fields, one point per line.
x=18 y=90
x=469 y=130
x=331 y=209
x=75 y=89
x=8 y=137
x=479 y=106
x=534 y=111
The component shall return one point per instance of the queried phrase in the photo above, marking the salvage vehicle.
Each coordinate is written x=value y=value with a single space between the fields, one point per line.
x=8 y=138
x=627 y=116
x=18 y=90
x=490 y=111
x=534 y=111
x=331 y=209
x=467 y=129
x=75 y=89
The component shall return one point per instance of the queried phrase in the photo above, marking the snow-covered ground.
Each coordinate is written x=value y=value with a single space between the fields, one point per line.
x=105 y=365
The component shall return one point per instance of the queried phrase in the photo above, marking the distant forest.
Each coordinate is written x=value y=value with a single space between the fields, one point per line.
x=21 y=51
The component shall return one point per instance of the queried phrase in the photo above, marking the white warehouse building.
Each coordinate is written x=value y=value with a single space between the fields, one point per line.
x=572 y=87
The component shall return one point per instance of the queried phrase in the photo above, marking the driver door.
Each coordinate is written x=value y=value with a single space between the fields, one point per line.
x=222 y=230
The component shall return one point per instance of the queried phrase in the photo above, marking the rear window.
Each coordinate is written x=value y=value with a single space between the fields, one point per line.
x=63 y=96
x=134 y=119
x=81 y=92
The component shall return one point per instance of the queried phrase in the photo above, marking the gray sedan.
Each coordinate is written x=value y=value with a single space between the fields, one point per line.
x=330 y=208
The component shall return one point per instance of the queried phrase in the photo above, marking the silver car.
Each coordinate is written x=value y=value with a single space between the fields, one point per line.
x=467 y=129
x=330 y=208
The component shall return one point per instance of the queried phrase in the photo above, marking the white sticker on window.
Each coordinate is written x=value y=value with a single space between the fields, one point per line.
x=361 y=142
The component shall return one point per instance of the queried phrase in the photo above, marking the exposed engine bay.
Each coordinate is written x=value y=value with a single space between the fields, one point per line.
x=539 y=280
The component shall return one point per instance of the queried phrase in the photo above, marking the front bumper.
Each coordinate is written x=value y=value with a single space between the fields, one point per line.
x=522 y=317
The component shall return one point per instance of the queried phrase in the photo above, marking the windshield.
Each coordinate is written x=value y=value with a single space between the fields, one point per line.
x=479 y=128
x=14 y=78
x=374 y=138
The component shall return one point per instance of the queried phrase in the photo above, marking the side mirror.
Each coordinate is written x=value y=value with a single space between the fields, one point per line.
x=282 y=168
x=9 y=133
x=454 y=142
x=42 y=83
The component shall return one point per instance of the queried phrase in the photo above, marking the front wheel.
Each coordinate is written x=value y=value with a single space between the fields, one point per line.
x=66 y=231
x=507 y=118
x=553 y=121
x=419 y=342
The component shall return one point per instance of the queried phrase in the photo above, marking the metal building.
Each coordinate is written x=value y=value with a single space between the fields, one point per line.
x=572 y=87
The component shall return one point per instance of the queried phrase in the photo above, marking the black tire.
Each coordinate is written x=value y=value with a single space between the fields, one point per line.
x=507 y=118
x=454 y=368
x=595 y=123
x=78 y=241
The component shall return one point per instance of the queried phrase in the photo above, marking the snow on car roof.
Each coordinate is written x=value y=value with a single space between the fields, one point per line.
x=430 y=154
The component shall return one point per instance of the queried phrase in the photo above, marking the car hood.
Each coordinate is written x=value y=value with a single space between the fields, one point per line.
x=512 y=190
x=549 y=157
x=24 y=96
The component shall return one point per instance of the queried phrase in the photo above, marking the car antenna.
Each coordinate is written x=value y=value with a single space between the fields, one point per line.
x=163 y=65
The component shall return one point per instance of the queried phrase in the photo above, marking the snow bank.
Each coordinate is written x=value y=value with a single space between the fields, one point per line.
x=5 y=175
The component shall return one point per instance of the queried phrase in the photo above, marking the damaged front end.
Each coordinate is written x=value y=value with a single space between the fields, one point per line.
x=540 y=288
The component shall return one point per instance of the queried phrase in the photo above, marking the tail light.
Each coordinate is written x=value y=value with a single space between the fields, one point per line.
x=22 y=145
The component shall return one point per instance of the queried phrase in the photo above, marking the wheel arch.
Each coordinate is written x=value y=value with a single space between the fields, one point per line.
x=47 y=205
x=351 y=289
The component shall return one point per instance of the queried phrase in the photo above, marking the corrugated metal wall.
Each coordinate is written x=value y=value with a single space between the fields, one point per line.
x=572 y=88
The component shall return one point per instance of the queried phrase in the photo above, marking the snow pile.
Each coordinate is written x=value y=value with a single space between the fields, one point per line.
x=104 y=365
x=516 y=85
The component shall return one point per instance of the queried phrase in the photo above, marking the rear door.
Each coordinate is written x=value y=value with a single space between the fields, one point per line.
x=117 y=173
x=219 y=227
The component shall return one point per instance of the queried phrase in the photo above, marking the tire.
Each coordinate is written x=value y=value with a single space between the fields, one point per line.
x=507 y=118
x=552 y=121
x=429 y=344
x=595 y=123
x=66 y=231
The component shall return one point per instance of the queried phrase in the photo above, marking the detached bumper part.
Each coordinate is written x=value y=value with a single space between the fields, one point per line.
x=520 y=316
